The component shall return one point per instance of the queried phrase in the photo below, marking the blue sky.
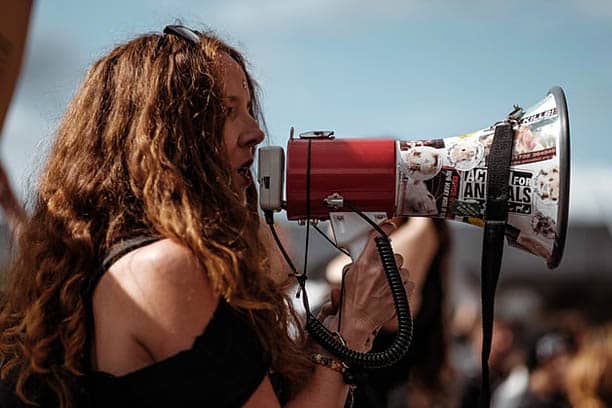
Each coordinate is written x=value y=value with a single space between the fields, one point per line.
x=408 y=69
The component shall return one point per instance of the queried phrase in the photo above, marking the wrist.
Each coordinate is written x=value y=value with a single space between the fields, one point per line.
x=358 y=334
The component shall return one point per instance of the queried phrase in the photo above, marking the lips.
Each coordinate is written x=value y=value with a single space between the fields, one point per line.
x=244 y=174
x=245 y=167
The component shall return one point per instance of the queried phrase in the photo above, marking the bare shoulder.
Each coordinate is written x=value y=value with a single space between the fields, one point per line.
x=160 y=295
x=164 y=261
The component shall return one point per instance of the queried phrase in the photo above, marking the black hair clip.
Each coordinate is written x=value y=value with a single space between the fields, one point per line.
x=180 y=31
x=183 y=32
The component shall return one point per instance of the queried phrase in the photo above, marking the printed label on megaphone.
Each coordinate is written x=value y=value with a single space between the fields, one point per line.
x=447 y=178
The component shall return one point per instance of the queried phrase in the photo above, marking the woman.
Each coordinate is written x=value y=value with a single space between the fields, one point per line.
x=150 y=170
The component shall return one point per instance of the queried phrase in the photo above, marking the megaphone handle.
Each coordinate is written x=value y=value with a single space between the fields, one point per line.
x=403 y=338
x=356 y=247
x=351 y=231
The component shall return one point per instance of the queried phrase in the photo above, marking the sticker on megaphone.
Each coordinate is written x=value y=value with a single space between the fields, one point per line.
x=455 y=187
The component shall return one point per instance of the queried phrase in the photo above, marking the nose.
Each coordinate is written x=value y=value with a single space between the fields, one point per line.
x=252 y=135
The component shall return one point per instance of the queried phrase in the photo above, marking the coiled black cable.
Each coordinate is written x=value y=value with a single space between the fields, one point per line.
x=403 y=338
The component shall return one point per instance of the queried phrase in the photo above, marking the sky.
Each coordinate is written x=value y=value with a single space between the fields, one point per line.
x=406 y=69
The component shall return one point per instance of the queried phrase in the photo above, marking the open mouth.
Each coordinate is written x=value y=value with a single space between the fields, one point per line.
x=245 y=170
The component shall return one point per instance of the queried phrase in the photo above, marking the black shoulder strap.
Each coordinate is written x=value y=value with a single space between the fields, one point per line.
x=115 y=252
x=496 y=212
x=123 y=247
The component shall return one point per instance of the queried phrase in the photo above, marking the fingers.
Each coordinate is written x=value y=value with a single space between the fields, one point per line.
x=325 y=310
x=405 y=274
x=408 y=284
x=399 y=260
x=331 y=307
x=388 y=226
x=335 y=300
x=410 y=288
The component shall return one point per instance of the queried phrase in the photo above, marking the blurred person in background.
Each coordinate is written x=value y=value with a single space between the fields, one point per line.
x=14 y=218
x=589 y=375
x=548 y=360
x=14 y=214
x=509 y=375
x=509 y=361
x=424 y=377
x=14 y=24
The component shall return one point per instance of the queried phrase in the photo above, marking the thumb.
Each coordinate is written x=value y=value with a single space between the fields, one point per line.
x=335 y=299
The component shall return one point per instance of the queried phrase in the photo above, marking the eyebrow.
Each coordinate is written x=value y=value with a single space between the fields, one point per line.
x=236 y=99
x=231 y=98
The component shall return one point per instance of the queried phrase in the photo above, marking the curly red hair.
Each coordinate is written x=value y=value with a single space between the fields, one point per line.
x=139 y=151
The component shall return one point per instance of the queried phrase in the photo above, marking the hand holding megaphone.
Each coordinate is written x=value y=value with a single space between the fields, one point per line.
x=367 y=303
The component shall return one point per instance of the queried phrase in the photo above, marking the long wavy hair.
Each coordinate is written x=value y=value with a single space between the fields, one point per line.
x=139 y=151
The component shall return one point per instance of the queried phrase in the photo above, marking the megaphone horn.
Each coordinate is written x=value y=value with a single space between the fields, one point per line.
x=441 y=178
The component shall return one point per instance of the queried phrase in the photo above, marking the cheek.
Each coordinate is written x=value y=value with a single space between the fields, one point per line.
x=230 y=140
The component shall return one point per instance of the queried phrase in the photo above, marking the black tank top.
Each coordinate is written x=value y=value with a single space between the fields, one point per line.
x=223 y=368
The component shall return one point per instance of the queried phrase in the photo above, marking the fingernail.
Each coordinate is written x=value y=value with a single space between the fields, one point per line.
x=389 y=222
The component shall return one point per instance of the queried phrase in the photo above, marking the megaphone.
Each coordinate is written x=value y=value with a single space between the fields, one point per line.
x=523 y=162
x=441 y=178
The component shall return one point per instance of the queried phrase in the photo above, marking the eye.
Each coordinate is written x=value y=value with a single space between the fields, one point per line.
x=230 y=111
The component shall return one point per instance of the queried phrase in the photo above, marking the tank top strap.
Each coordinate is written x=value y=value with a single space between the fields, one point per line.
x=114 y=253
x=123 y=247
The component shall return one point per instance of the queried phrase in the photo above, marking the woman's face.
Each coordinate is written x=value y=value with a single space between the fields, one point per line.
x=241 y=132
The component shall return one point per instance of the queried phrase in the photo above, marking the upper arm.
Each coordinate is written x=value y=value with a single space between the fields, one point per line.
x=170 y=298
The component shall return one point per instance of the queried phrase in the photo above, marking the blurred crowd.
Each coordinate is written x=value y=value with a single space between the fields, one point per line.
x=542 y=360
x=561 y=361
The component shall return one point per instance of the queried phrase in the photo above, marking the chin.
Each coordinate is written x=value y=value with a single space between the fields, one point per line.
x=241 y=187
x=243 y=196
